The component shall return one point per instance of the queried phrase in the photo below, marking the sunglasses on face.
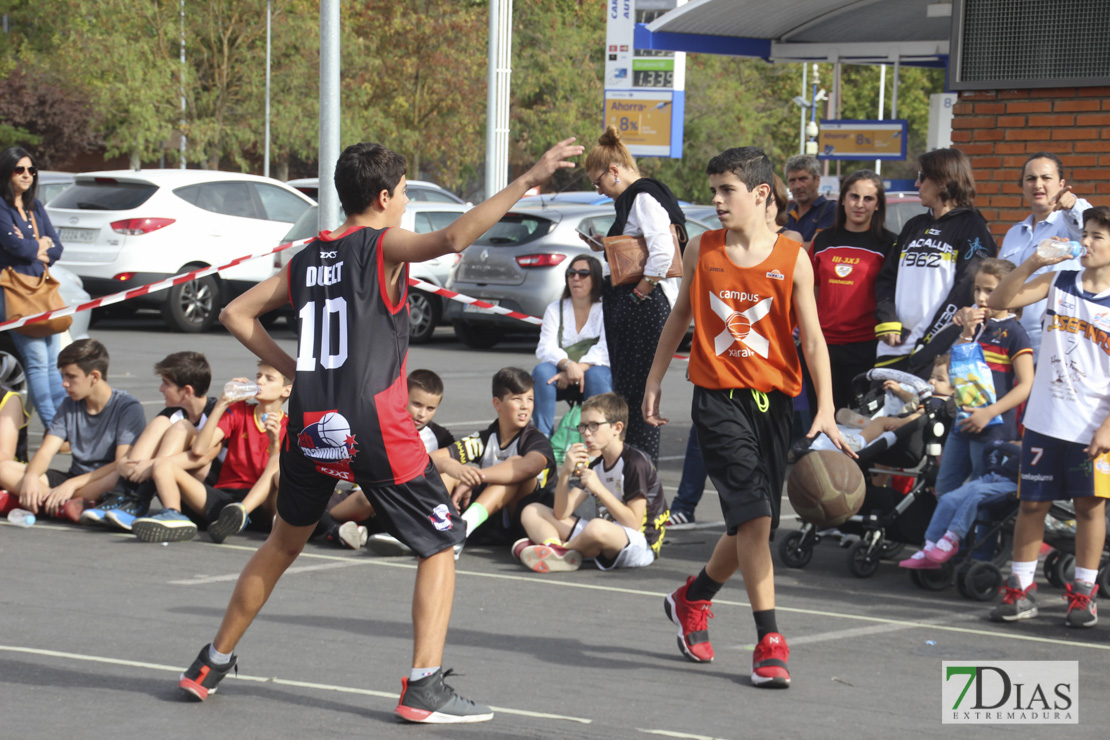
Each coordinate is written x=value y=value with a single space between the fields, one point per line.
x=591 y=427
x=580 y=273
x=20 y=170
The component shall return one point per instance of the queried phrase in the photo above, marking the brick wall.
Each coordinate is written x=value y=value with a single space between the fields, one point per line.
x=999 y=129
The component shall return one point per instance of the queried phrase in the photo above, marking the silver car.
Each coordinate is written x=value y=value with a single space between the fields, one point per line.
x=520 y=264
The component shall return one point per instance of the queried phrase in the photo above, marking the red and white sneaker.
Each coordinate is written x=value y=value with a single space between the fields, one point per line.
x=519 y=545
x=1082 y=606
x=769 y=662
x=550 y=558
x=692 y=618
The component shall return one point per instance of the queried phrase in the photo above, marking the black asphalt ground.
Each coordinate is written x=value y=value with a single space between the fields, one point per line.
x=97 y=627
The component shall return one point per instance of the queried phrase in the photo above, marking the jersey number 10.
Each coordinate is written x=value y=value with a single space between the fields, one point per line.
x=333 y=335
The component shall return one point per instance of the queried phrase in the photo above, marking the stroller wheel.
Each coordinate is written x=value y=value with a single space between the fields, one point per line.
x=933 y=580
x=981 y=581
x=891 y=550
x=1104 y=582
x=794 y=552
x=1064 y=571
x=862 y=562
x=1050 y=562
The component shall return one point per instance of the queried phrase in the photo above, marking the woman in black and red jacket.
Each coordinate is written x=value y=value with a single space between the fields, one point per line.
x=928 y=276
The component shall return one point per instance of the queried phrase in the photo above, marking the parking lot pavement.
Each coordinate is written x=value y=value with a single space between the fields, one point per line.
x=97 y=627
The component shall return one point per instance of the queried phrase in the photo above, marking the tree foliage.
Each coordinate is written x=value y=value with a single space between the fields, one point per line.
x=108 y=73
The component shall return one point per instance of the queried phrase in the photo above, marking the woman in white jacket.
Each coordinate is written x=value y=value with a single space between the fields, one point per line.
x=572 y=351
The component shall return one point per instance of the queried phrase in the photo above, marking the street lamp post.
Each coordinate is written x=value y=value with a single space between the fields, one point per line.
x=266 y=154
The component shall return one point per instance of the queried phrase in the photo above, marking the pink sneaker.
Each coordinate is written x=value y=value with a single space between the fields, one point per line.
x=946 y=547
x=919 y=561
x=519 y=545
x=550 y=558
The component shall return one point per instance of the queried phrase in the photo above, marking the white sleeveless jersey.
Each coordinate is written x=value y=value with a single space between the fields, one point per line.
x=1071 y=388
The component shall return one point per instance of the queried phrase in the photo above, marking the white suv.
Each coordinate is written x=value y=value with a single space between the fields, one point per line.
x=124 y=229
x=425 y=309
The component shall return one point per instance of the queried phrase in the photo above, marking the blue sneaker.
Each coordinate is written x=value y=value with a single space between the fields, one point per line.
x=106 y=503
x=124 y=515
x=168 y=525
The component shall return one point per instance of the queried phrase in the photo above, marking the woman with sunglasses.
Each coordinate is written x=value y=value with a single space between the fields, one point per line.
x=635 y=314
x=572 y=351
x=28 y=243
x=929 y=275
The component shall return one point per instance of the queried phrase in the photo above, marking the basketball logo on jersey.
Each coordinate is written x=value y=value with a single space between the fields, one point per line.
x=441 y=518
x=739 y=324
x=327 y=440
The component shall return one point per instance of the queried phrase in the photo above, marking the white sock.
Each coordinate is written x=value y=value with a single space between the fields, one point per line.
x=929 y=545
x=216 y=657
x=1024 y=572
x=1086 y=575
x=418 y=673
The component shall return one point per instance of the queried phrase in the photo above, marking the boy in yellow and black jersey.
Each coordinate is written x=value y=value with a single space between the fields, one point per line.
x=504 y=467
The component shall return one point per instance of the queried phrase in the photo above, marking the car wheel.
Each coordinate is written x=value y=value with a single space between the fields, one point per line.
x=473 y=337
x=193 y=306
x=424 y=312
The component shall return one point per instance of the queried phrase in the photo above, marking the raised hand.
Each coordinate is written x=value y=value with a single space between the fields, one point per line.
x=556 y=158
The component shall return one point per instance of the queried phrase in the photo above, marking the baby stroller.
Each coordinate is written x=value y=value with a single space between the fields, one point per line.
x=888 y=519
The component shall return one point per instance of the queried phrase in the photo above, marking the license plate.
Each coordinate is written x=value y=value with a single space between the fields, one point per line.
x=471 y=308
x=81 y=236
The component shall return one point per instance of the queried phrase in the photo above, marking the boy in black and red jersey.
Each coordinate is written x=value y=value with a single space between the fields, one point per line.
x=746 y=290
x=347 y=416
x=505 y=467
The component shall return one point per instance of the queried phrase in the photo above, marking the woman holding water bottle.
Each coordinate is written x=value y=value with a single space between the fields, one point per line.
x=1057 y=213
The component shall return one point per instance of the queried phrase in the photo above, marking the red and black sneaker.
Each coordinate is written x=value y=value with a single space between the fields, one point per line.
x=769 y=662
x=692 y=618
x=203 y=676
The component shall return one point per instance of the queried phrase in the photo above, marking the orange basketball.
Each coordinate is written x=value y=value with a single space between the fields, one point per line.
x=825 y=488
x=738 y=326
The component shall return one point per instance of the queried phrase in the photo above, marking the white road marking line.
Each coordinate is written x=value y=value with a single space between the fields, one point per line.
x=531 y=579
x=668 y=733
x=263 y=679
x=875 y=629
x=199 y=580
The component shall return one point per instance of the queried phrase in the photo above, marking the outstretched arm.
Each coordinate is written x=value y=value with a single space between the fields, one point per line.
x=400 y=245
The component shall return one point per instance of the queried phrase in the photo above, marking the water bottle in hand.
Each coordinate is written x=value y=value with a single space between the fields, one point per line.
x=1053 y=248
x=238 y=390
x=21 y=517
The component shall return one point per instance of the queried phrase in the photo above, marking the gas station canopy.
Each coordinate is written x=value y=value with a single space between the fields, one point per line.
x=914 y=32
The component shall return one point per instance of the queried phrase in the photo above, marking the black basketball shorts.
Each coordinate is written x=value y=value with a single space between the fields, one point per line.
x=419 y=512
x=744 y=437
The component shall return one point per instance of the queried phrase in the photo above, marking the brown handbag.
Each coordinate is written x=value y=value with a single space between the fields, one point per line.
x=627 y=256
x=26 y=295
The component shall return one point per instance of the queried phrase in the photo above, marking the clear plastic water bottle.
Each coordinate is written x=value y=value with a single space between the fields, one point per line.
x=238 y=390
x=1052 y=248
x=21 y=517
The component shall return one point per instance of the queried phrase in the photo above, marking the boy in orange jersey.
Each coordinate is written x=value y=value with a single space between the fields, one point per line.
x=746 y=289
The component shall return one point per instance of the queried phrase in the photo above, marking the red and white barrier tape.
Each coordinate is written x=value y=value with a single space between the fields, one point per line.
x=143 y=289
x=429 y=288
x=203 y=272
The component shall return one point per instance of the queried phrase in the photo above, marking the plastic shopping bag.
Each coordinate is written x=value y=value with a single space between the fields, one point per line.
x=970 y=375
